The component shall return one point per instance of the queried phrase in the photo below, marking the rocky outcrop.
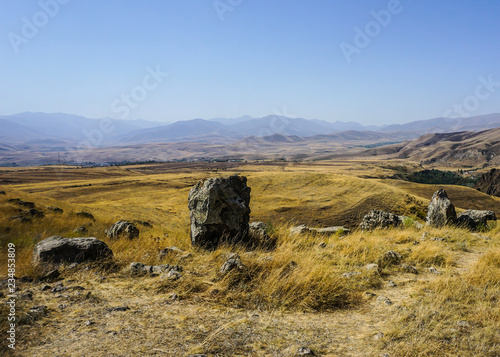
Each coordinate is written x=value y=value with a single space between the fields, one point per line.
x=475 y=219
x=233 y=262
x=441 y=211
x=84 y=214
x=259 y=237
x=123 y=229
x=219 y=209
x=380 y=219
x=58 y=250
x=489 y=183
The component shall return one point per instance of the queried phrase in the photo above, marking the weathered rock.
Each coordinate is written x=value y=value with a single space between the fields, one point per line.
x=233 y=262
x=55 y=209
x=81 y=229
x=123 y=229
x=409 y=269
x=170 y=251
x=259 y=237
x=299 y=229
x=20 y=219
x=84 y=214
x=441 y=211
x=34 y=213
x=329 y=231
x=391 y=257
x=474 y=219
x=70 y=250
x=467 y=222
x=305 y=351
x=26 y=204
x=140 y=268
x=219 y=210
x=379 y=219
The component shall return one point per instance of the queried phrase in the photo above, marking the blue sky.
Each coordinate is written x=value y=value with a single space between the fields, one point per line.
x=228 y=58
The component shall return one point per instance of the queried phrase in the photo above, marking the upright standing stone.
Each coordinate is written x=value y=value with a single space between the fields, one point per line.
x=219 y=210
x=441 y=211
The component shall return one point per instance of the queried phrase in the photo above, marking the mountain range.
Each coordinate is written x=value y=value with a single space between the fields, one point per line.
x=67 y=130
x=41 y=138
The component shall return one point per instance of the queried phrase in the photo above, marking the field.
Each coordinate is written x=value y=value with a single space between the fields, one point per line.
x=311 y=291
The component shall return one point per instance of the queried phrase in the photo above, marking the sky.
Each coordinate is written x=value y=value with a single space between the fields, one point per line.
x=373 y=62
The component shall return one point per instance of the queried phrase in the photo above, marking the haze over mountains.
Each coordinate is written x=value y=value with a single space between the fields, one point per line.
x=41 y=138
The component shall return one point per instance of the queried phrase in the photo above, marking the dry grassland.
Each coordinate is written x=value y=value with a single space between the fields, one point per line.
x=300 y=294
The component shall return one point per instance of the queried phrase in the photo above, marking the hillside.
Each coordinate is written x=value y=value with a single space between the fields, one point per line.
x=312 y=292
x=460 y=148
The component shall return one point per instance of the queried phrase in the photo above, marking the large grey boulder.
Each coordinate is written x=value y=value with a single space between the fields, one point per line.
x=219 y=209
x=123 y=229
x=379 y=219
x=441 y=211
x=58 y=250
x=475 y=219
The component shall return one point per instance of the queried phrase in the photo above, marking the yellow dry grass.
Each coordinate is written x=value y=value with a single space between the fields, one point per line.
x=302 y=293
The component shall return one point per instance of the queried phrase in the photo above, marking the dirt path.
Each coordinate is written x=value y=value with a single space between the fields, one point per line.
x=83 y=323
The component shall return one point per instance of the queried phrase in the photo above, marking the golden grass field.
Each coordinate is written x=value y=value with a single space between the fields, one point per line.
x=275 y=306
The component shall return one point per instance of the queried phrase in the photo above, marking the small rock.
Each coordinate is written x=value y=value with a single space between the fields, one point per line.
x=233 y=262
x=81 y=229
x=463 y=323
x=89 y=323
x=350 y=274
x=55 y=209
x=392 y=284
x=38 y=310
x=87 y=215
x=20 y=219
x=34 y=213
x=379 y=336
x=118 y=308
x=409 y=269
x=172 y=275
x=168 y=251
x=299 y=229
x=26 y=204
x=123 y=229
x=372 y=267
x=384 y=299
x=63 y=306
x=438 y=239
x=305 y=351
x=392 y=257
x=433 y=270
